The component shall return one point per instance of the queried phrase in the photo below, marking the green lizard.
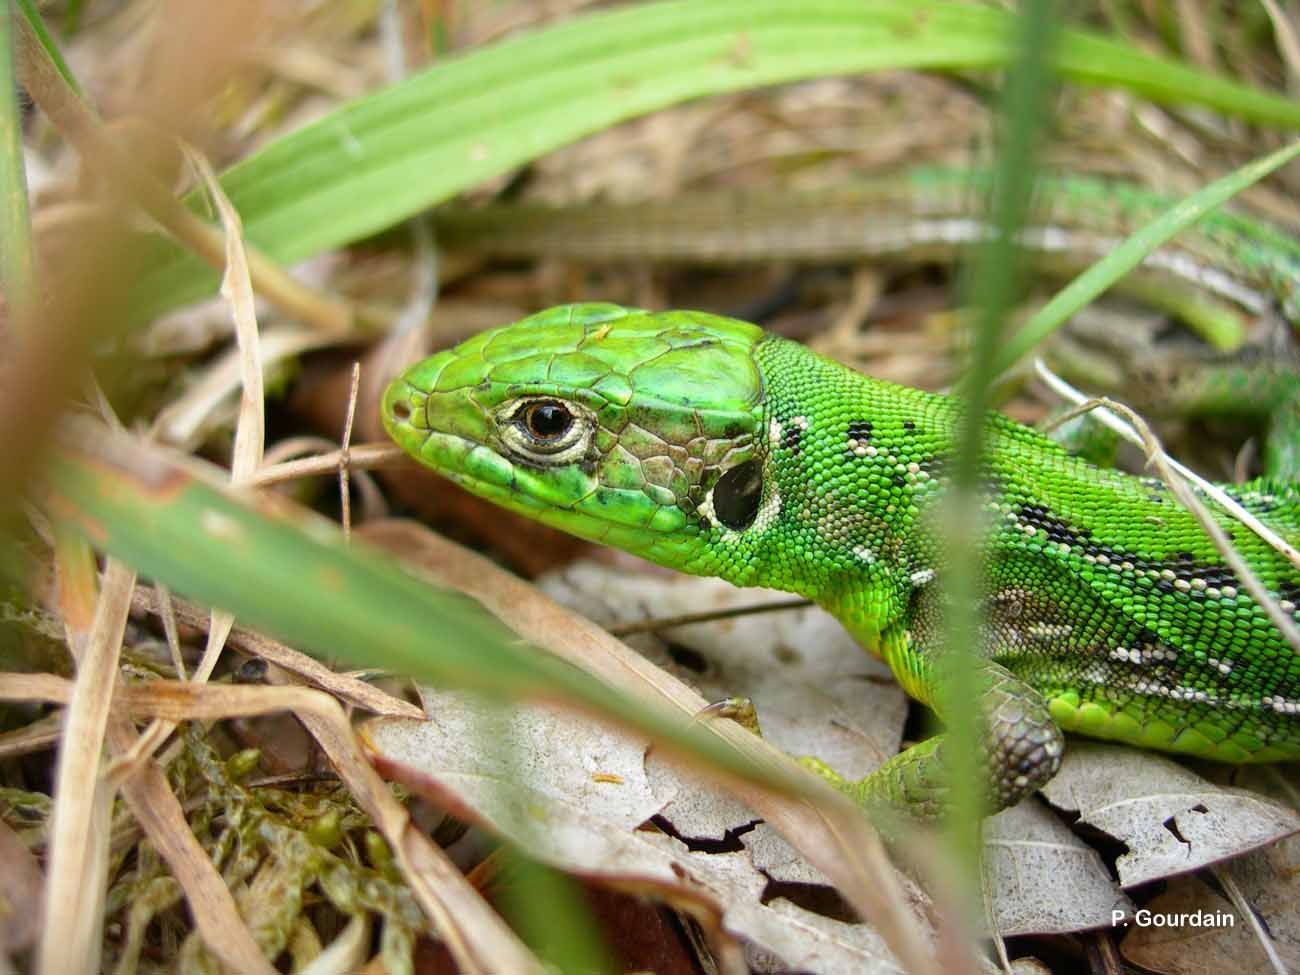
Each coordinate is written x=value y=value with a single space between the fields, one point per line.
x=1226 y=264
x=1227 y=259
x=709 y=446
x=1254 y=384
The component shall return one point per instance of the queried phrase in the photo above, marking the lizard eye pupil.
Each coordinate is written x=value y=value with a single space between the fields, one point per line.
x=737 y=494
x=548 y=421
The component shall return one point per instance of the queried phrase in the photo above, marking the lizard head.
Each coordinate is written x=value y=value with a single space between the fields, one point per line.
x=642 y=431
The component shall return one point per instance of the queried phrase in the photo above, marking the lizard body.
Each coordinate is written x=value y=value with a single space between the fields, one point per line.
x=709 y=446
x=923 y=213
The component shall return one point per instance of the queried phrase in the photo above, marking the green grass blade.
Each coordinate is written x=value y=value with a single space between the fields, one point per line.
x=290 y=573
x=1092 y=282
x=33 y=18
x=991 y=283
x=547 y=907
x=15 y=222
x=385 y=157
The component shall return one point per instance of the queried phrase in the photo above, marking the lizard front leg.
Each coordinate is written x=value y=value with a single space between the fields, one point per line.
x=1019 y=751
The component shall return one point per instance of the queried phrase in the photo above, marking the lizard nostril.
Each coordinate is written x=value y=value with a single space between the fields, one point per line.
x=401 y=410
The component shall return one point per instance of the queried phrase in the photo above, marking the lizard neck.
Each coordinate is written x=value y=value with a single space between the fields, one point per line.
x=851 y=464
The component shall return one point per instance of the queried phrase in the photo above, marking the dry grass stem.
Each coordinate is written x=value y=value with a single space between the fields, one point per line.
x=78 y=125
x=345 y=461
x=366 y=456
x=75 y=874
x=1180 y=480
x=355 y=692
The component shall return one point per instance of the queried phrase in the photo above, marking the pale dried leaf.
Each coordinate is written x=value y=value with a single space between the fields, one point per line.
x=778 y=859
x=1043 y=878
x=800 y=939
x=831 y=833
x=1171 y=819
x=574 y=796
x=816 y=691
x=1270 y=880
x=512 y=765
x=811 y=942
x=695 y=808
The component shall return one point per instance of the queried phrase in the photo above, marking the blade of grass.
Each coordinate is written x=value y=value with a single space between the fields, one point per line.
x=33 y=18
x=78 y=851
x=289 y=573
x=292 y=576
x=15 y=230
x=549 y=910
x=991 y=283
x=389 y=155
x=1094 y=281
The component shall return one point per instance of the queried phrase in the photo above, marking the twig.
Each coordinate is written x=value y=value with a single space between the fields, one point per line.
x=685 y=619
x=364 y=457
x=1177 y=477
x=1248 y=915
x=344 y=459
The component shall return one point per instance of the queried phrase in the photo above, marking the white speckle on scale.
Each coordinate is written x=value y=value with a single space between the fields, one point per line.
x=865 y=554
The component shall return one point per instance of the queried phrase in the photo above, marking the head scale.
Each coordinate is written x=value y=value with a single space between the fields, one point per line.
x=638 y=430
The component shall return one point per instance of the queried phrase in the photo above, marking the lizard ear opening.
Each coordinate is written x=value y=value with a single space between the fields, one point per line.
x=737 y=495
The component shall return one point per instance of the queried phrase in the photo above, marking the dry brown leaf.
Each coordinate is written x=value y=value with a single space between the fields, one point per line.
x=1270 y=880
x=574 y=795
x=1171 y=819
x=349 y=689
x=1042 y=878
x=832 y=834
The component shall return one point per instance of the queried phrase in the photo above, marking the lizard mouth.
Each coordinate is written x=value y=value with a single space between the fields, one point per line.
x=568 y=495
x=473 y=466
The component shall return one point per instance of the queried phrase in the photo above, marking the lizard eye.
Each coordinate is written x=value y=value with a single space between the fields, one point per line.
x=546 y=431
x=547 y=421
x=737 y=494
